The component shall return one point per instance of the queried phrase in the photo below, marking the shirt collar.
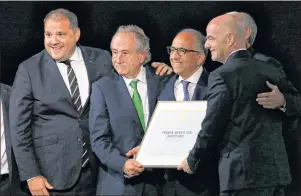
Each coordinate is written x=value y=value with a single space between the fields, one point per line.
x=76 y=56
x=141 y=77
x=233 y=52
x=194 y=78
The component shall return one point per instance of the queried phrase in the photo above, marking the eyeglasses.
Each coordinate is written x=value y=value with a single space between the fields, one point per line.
x=180 y=51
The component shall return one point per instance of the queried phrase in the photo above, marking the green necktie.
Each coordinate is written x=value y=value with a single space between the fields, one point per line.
x=137 y=102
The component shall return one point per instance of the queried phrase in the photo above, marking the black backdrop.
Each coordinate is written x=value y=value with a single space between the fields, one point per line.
x=279 y=30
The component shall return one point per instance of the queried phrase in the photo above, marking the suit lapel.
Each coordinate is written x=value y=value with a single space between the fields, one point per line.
x=169 y=94
x=152 y=90
x=125 y=98
x=200 y=91
x=5 y=101
x=55 y=78
x=5 y=93
x=91 y=69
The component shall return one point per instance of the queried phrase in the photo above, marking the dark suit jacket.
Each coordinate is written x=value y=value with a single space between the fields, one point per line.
x=115 y=129
x=291 y=123
x=293 y=103
x=14 y=179
x=206 y=177
x=249 y=137
x=46 y=130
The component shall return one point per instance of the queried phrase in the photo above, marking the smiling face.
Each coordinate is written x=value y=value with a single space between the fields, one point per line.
x=187 y=64
x=59 y=39
x=217 y=42
x=126 y=60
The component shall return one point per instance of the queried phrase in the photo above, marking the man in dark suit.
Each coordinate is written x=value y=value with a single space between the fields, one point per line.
x=9 y=180
x=253 y=158
x=187 y=55
x=119 y=112
x=274 y=100
x=50 y=109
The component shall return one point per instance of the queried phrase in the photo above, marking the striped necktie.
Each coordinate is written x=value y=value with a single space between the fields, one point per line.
x=75 y=95
x=185 y=89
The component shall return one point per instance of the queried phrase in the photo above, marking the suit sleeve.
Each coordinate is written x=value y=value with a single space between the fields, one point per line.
x=100 y=133
x=292 y=99
x=293 y=103
x=290 y=93
x=163 y=81
x=219 y=106
x=20 y=111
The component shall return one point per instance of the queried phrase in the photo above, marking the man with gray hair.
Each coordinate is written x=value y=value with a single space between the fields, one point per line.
x=120 y=109
x=50 y=109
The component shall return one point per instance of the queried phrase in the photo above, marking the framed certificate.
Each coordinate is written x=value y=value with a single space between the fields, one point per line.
x=171 y=133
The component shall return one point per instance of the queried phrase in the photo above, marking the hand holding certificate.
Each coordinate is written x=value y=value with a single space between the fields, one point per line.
x=171 y=133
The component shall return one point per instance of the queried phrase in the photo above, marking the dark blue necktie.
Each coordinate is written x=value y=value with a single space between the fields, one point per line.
x=185 y=89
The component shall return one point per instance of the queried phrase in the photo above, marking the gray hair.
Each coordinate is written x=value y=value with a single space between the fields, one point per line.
x=200 y=39
x=63 y=13
x=141 y=40
x=248 y=22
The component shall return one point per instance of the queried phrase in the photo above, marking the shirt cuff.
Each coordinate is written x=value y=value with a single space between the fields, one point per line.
x=283 y=108
x=31 y=178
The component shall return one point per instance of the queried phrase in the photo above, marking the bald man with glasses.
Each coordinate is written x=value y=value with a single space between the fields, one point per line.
x=187 y=56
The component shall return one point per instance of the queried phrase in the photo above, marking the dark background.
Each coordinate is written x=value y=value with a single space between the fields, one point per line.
x=279 y=33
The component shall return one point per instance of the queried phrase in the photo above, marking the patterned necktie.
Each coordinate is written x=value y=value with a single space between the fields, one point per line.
x=77 y=102
x=137 y=102
x=185 y=89
x=73 y=86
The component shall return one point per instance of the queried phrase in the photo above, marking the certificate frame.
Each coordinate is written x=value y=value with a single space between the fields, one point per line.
x=167 y=149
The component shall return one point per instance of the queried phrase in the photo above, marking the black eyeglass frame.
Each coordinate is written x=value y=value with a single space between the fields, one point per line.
x=184 y=50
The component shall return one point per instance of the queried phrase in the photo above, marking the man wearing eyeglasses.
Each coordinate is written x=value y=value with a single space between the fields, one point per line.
x=187 y=55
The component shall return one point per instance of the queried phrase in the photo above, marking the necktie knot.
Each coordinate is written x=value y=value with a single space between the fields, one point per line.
x=185 y=84
x=133 y=84
x=67 y=62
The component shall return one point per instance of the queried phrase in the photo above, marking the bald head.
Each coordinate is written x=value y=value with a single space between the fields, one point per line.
x=225 y=34
x=249 y=26
x=230 y=24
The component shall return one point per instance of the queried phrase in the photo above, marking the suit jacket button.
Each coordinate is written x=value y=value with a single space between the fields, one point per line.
x=79 y=120
x=79 y=140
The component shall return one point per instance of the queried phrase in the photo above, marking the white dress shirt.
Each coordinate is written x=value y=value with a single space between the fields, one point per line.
x=142 y=89
x=3 y=163
x=80 y=70
x=193 y=79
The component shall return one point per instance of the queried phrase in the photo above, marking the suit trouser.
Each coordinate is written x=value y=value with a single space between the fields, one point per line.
x=4 y=185
x=264 y=191
x=175 y=188
x=145 y=185
x=84 y=186
x=178 y=183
